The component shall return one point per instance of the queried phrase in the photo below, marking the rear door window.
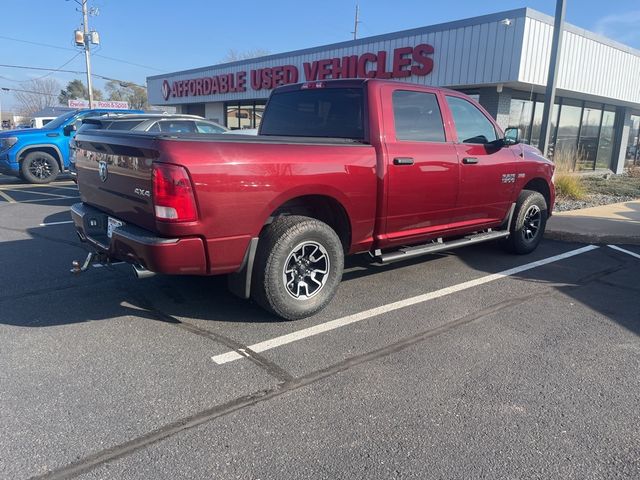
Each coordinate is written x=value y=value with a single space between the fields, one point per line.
x=204 y=127
x=417 y=117
x=177 y=126
x=471 y=124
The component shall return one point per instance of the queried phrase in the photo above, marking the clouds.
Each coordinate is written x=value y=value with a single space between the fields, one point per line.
x=623 y=27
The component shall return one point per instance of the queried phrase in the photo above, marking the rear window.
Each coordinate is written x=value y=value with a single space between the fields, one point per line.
x=124 y=125
x=318 y=112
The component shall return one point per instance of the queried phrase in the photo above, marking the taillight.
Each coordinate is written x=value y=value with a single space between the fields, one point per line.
x=173 y=194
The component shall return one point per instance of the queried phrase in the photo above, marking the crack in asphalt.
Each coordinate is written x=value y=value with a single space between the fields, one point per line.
x=116 y=452
x=268 y=366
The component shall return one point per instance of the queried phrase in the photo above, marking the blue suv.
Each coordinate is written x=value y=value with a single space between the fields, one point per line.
x=39 y=155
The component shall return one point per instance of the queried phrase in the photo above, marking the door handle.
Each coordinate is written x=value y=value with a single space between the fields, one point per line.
x=403 y=161
x=470 y=160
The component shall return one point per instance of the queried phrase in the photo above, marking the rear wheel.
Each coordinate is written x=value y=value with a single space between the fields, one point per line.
x=298 y=267
x=39 y=167
x=528 y=223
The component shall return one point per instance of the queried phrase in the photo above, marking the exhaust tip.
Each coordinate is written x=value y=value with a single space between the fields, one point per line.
x=141 y=272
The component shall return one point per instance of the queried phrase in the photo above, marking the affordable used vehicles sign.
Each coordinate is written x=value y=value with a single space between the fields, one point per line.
x=404 y=62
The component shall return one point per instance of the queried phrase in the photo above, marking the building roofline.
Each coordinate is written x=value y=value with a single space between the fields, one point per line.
x=492 y=17
x=543 y=17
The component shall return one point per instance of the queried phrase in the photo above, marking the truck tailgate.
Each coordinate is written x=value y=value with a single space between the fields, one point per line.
x=114 y=175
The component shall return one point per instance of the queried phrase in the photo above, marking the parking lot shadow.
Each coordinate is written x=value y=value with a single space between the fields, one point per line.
x=36 y=272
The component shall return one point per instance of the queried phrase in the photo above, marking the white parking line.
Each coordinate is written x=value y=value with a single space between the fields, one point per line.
x=624 y=251
x=55 y=223
x=46 y=194
x=358 y=317
x=7 y=197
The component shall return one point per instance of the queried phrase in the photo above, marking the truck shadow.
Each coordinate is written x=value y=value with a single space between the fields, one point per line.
x=39 y=291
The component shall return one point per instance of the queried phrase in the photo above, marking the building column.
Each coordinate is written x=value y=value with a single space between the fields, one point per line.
x=498 y=104
x=623 y=126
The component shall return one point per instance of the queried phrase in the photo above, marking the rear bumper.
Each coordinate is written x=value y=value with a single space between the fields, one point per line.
x=131 y=244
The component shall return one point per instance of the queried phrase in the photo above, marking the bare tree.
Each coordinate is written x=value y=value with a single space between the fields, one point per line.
x=38 y=94
x=234 y=55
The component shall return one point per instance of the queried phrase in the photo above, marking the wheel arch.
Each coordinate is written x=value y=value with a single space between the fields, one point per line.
x=323 y=207
x=49 y=148
x=541 y=186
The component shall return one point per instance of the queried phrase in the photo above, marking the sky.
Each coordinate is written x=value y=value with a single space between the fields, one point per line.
x=159 y=36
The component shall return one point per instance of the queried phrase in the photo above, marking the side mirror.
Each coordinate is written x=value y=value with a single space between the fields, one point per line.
x=511 y=136
x=69 y=129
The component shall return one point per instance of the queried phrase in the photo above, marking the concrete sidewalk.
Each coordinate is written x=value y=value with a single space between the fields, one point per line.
x=616 y=223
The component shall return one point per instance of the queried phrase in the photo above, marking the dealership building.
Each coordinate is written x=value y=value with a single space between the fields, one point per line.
x=502 y=60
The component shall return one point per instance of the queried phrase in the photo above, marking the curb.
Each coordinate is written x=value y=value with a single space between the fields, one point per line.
x=591 y=238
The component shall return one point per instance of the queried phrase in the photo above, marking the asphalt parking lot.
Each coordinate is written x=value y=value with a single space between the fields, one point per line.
x=470 y=364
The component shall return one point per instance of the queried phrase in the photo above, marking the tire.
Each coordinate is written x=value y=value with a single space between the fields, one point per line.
x=528 y=224
x=39 y=167
x=298 y=267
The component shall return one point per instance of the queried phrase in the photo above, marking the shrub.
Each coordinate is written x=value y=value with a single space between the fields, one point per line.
x=566 y=159
x=634 y=171
x=570 y=186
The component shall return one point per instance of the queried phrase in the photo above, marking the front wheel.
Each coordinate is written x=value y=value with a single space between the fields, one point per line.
x=298 y=267
x=528 y=222
x=39 y=167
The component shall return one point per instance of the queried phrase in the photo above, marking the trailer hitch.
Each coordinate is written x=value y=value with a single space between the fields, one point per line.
x=92 y=257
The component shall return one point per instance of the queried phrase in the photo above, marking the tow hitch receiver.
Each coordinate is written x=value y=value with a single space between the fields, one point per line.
x=92 y=257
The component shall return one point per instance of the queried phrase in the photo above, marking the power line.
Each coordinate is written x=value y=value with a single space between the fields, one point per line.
x=78 y=72
x=48 y=45
x=7 y=89
x=60 y=67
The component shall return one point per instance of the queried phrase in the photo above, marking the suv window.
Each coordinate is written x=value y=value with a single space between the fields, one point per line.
x=204 y=127
x=417 y=117
x=471 y=124
x=177 y=126
x=123 y=124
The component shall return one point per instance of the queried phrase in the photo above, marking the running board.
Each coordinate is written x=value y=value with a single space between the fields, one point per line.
x=439 y=246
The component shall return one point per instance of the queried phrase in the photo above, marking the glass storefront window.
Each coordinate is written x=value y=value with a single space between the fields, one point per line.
x=633 y=143
x=588 y=142
x=605 y=142
x=244 y=115
x=568 y=126
x=520 y=117
x=537 y=124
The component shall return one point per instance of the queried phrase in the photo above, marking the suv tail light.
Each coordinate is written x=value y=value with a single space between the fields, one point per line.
x=173 y=198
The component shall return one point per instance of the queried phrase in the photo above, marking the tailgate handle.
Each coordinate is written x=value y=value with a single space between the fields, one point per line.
x=403 y=161
x=470 y=160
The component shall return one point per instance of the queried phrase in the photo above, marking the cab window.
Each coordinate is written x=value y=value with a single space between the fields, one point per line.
x=417 y=117
x=471 y=124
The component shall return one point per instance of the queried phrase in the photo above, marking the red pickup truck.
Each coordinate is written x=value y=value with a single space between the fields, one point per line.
x=339 y=167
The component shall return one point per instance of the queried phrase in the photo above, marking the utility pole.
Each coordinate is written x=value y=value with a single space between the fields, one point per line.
x=550 y=94
x=356 y=22
x=87 y=52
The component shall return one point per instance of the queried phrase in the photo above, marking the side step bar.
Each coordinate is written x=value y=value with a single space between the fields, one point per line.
x=410 y=252
x=438 y=246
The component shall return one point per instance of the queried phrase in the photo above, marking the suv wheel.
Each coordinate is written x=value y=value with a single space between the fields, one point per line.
x=39 y=167
x=298 y=267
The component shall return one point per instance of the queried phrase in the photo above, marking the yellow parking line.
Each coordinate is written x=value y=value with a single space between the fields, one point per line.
x=7 y=197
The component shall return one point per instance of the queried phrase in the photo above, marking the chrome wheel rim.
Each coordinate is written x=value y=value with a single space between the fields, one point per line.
x=306 y=270
x=532 y=220
x=40 y=168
